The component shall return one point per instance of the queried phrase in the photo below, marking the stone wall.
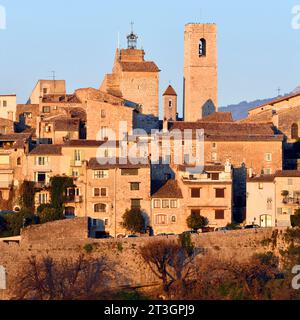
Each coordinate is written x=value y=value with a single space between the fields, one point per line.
x=67 y=239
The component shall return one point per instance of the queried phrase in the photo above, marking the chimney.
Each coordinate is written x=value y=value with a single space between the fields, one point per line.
x=250 y=172
x=275 y=119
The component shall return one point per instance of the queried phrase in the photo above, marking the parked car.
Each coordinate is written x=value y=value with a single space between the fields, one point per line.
x=252 y=226
x=131 y=236
x=191 y=232
x=223 y=229
x=207 y=230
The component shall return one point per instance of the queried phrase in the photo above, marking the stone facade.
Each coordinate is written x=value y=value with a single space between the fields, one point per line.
x=134 y=79
x=8 y=106
x=200 y=71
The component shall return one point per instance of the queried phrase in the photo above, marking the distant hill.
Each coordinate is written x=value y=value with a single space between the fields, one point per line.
x=240 y=110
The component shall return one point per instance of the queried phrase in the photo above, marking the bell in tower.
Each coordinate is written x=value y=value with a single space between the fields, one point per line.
x=132 y=39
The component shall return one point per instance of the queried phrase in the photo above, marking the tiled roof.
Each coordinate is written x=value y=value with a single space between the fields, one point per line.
x=207 y=168
x=94 y=165
x=288 y=97
x=287 y=174
x=170 y=190
x=262 y=178
x=145 y=66
x=47 y=149
x=170 y=91
x=226 y=131
x=89 y=143
x=218 y=117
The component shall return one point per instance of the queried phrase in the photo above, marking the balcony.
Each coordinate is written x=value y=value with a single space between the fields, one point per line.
x=41 y=185
x=73 y=199
x=76 y=163
x=291 y=201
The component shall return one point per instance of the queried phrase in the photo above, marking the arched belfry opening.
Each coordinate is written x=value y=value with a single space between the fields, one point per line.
x=295 y=131
x=202 y=47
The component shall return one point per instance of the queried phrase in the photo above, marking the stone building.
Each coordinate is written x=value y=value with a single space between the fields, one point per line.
x=8 y=106
x=273 y=199
x=170 y=104
x=200 y=71
x=46 y=87
x=134 y=79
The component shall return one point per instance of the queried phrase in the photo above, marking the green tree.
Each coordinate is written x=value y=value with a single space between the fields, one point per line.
x=58 y=189
x=51 y=214
x=295 y=219
x=134 y=221
x=195 y=221
x=16 y=221
x=27 y=193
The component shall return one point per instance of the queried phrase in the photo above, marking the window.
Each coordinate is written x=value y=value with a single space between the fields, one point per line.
x=19 y=161
x=268 y=157
x=43 y=198
x=295 y=131
x=46 y=109
x=215 y=176
x=195 y=212
x=100 y=174
x=170 y=104
x=156 y=204
x=100 y=207
x=103 y=114
x=173 y=219
x=129 y=172
x=135 y=203
x=202 y=47
x=41 y=161
x=195 y=193
x=260 y=186
x=220 y=215
x=161 y=219
x=100 y=192
x=279 y=211
x=214 y=146
x=214 y=156
x=173 y=204
x=166 y=204
x=106 y=222
x=48 y=128
x=103 y=133
x=45 y=90
x=269 y=204
x=75 y=173
x=77 y=155
x=220 y=193
x=134 y=186
x=4 y=103
x=268 y=171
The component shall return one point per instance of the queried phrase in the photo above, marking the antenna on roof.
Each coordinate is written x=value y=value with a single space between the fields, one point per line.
x=54 y=78
x=279 y=91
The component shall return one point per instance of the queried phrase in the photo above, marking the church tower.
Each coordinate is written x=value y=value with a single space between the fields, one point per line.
x=200 y=71
x=170 y=104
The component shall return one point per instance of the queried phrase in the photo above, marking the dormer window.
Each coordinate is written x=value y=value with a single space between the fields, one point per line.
x=202 y=48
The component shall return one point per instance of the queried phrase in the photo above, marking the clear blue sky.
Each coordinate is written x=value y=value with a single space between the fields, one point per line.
x=258 y=49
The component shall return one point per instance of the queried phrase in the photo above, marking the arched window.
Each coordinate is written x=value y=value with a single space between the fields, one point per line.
x=100 y=207
x=202 y=47
x=19 y=161
x=295 y=131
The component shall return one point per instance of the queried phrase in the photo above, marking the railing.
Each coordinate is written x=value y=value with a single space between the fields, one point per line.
x=41 y=185
x=291 y=201
x=74 y=199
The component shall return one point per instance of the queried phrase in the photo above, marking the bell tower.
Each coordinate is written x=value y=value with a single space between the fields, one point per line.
x=200 y=71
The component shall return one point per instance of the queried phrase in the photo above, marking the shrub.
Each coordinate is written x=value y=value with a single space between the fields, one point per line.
x=88 y=248
x=185 y=240
x=134 y=221
x=195 y=221
x=51 y=214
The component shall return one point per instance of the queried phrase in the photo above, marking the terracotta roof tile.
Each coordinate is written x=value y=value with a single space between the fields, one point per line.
x=218 y=117
x=94 y=165
x=66 y=124
x=145 y=66
x=170 y=91
x=287 y=174
x=170 y=190
x=47 y=149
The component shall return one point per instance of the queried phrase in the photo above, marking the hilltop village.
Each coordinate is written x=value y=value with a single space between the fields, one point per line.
x=250 y=167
